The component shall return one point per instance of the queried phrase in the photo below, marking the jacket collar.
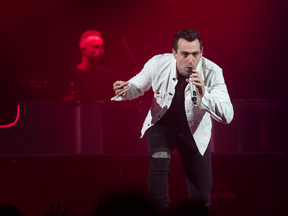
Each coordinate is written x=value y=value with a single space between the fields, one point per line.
x=174 y=74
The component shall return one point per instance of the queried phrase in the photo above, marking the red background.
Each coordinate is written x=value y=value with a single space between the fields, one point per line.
x=248 y=39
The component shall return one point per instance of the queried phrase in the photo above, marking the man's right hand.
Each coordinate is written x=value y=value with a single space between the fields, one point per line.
x=121 y=88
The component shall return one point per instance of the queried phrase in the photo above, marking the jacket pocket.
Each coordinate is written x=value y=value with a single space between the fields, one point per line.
x=159 y=96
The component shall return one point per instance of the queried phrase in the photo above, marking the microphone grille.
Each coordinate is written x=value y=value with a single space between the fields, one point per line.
x=189 y=72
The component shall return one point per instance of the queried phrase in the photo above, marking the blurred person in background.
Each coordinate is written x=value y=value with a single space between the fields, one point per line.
x=89 y=80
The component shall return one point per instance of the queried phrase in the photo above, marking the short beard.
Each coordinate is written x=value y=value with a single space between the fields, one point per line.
x=181 y=73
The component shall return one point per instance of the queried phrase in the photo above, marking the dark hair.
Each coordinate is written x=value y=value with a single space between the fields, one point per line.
x=187 y=34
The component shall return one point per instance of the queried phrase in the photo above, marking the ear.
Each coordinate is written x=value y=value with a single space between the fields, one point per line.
x=174 y=53
x=101 y=52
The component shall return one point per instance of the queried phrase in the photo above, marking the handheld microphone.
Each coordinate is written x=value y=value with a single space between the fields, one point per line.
x=192 y=87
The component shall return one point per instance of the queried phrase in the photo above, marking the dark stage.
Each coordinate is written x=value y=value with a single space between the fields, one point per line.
x=81 y=154
x=243 y=184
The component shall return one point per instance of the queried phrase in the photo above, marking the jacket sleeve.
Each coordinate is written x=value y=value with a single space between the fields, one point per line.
x=139 y=83
x=216 y=99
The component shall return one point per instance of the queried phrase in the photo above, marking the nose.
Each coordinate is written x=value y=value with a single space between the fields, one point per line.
x=190 y=59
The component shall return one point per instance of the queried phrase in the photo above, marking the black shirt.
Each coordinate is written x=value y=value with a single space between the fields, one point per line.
x=176 y=114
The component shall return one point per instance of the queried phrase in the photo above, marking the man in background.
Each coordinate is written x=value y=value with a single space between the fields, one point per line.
x=89 y=80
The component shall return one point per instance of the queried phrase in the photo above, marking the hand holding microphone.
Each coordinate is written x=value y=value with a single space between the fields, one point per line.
x=192 y=87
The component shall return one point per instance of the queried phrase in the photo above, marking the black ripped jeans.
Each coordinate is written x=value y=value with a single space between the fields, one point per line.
x=197 y=168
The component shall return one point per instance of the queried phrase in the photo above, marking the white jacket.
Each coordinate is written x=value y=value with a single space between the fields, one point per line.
x=160 y=73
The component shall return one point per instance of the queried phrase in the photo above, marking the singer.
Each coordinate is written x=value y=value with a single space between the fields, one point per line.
x=174 y=121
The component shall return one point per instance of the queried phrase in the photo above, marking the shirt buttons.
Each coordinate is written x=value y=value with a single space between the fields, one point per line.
x=170 y=93
x=166 y=106
x=148 y=125
x=174 y=79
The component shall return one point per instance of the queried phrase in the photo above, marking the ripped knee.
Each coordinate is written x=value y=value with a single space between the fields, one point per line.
x=162 y=154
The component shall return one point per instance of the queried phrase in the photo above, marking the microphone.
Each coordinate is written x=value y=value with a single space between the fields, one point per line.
x=192 y=87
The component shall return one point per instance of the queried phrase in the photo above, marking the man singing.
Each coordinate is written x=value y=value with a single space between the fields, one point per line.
x=174 y=121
